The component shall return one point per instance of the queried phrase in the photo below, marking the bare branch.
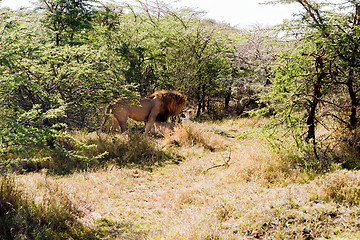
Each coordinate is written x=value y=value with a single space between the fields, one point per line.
x=321 y=100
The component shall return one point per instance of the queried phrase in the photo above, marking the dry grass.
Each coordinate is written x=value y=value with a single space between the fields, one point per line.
x=191 y=134
x=342 y=187
x=243 y=190
x=47 y=213
x=128 y=149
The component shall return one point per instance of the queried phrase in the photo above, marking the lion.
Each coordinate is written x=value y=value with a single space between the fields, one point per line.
x=153 y=109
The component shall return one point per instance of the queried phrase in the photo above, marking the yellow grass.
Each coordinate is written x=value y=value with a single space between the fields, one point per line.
x=227 y=187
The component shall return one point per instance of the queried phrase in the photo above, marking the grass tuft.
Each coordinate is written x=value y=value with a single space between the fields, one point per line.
x=342 y=187
x=192 y=134
x=133 y=148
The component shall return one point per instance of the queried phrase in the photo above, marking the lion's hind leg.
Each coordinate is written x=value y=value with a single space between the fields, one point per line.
x=115 y=123
x=120 y=119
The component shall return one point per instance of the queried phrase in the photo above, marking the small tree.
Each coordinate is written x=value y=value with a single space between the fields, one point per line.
x=328 y=87
x=64 y=18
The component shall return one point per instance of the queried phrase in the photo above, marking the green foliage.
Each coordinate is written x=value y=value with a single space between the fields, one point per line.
x=65 y=18
x=45 y=90
x=61 y=64
x=314 y=93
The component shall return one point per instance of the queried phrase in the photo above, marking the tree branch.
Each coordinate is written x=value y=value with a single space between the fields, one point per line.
x=321 y=100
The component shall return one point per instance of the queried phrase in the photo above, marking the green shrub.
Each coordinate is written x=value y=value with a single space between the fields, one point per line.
x=81 y=150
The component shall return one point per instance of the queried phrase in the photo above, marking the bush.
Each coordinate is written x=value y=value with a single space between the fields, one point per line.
x=81 y=150
x=348 y=149
x=65 y=156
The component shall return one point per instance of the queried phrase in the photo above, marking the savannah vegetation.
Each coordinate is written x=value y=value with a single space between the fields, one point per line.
x=272 y=151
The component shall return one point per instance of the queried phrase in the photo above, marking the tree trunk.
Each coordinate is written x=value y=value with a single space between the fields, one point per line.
x=199 y=107
x=319 y=64
x=353 y=99
x=198 y=110
x=227 y=99
x=350 y=81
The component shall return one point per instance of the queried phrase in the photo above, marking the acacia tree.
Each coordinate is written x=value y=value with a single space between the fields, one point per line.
x=29 y=109
x=255 y=57
x=157 y=47
x=196 y=57
x=340 y=33
x=45 y=88
x=64 y=18
x=324 y=63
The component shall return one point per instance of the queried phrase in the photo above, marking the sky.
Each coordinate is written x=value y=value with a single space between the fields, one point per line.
x=237 y=13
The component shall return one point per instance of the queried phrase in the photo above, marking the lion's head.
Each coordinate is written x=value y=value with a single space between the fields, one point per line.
x=172 y=103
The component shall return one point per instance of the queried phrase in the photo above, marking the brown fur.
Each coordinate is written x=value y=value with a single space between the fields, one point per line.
x=157 y=107
x=172 y=103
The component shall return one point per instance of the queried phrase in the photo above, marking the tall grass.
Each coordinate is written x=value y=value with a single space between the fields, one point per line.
x=56 y=217
x=230 y=185
x=82 y=150
x=347 y=149
x=341 y=186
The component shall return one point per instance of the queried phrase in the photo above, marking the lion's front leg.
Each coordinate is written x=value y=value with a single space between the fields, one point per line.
x=115 y=123
x=149 y=126
x=150 y=123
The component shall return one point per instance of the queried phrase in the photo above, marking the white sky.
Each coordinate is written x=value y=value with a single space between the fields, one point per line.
x=240 y=13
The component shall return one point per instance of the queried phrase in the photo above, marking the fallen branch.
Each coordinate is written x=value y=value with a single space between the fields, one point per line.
x=225 y=164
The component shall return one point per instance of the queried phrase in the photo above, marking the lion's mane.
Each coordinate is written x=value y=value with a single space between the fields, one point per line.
x=172 y=103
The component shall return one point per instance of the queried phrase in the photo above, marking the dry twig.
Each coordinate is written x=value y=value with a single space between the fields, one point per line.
x=225 y=164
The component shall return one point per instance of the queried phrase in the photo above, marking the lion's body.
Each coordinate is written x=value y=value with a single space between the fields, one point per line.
x=157 y=107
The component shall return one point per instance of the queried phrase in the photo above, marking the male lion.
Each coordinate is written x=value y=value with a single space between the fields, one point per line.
x=155 y=108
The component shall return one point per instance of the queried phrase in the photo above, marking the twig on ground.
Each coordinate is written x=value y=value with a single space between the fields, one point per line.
x=225 y=164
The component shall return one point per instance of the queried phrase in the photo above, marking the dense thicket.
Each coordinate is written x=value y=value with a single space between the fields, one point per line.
x=63 y=61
